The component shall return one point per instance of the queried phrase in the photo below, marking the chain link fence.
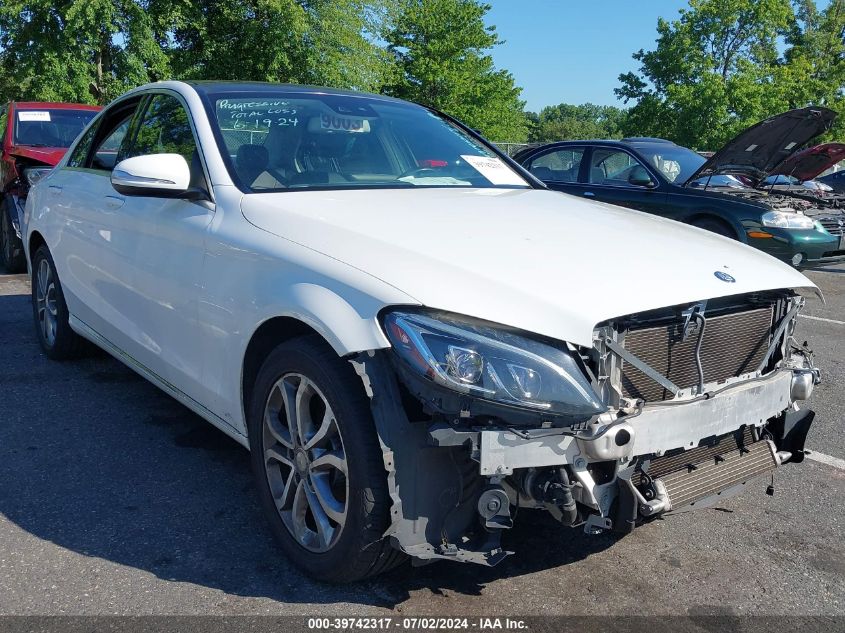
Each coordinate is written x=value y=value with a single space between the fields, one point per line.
x=236 y=138
x=511 y=148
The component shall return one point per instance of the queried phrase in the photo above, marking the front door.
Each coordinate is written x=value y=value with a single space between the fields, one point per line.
x=615 y=176
x=155 y=255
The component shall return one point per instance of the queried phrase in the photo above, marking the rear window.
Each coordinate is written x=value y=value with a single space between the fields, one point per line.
x=49 y=127
x=281 y=141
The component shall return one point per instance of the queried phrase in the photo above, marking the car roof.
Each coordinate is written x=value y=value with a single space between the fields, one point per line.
x=633 y=142
x=638 y=143
x=53 y=105
x=205 y=87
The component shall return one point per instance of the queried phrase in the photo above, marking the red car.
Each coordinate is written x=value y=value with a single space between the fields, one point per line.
x=34 y=138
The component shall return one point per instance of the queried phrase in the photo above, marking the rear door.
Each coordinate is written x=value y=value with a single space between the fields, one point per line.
x=82 y=203
x=559 y=168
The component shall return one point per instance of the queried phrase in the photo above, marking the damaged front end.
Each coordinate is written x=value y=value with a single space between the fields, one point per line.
x=669 y=410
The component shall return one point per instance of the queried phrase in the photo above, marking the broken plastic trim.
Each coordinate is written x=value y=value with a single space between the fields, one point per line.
x=776 y=337
x=437 y=519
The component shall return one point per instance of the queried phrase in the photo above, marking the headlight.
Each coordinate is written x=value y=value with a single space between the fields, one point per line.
x=492 y=364
x=34 y=174
x=786 y=220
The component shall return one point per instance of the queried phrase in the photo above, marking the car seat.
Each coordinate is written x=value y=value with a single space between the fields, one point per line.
x=597 y=175
x=251 y=161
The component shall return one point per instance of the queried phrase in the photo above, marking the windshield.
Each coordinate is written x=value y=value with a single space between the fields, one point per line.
x=677 y=164
x=781 y=179
x=709 y=182
x=280 y=140
x=49 y=127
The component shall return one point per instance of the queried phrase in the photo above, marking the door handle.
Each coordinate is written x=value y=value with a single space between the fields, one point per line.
x=113 y=202
x=589 y=194
x=55 y=190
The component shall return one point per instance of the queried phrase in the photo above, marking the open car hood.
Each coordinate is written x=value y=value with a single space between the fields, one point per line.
x=759 y=150
x=811 y=162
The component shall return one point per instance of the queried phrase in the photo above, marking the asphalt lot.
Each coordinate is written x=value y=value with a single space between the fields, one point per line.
x=114 y=499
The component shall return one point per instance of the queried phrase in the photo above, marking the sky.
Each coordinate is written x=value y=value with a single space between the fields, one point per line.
x=572 y=51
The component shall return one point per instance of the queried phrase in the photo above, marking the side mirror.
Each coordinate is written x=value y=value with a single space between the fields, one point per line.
x=639 y=177
x=155 y=175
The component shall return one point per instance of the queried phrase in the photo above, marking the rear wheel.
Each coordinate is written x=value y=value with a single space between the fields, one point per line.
x=11 y=249
x=719 y=227
x=318 y=463
x=50 y=312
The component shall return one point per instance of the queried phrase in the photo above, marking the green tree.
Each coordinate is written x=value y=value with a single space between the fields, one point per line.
x=813 y=71
x=441 y=50
x=326 y=42
x=261 y=40
x=341 y=43
x=77 y=50
x=711 y=74
x=565 y=121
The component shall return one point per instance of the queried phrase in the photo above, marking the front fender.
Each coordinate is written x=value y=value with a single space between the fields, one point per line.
x=346 y=328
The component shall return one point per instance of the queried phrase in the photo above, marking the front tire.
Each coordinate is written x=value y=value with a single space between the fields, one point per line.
x=49 y=310
x=318 y=463
x=11 y=248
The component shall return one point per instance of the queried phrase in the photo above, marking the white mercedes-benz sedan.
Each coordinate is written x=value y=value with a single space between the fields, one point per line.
x=412 y=336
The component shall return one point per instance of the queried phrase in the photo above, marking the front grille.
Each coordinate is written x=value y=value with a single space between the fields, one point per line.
x=733 y=344
x=834 y=226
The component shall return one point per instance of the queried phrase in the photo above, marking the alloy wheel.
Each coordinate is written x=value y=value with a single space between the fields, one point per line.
x=305 y=462
x=45 y=299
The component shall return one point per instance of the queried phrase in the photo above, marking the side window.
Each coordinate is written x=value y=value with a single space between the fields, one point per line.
x=108 y=153
x=80 y=152
x=615 y=167
x=560 y=165
x=164 y=129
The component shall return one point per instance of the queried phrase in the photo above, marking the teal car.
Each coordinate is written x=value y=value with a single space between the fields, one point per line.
x=723 y=194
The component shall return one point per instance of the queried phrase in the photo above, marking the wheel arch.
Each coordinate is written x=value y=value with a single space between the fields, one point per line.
x=714 y=216
x=270 y=334
x=36 y=240
x=345 y=329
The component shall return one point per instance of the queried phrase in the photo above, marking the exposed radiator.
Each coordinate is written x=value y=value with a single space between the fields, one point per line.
x=733 y=344
x=707 y=470
x=710 y=477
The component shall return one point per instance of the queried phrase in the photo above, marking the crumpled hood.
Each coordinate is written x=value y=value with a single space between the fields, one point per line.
x=47 y=155
x=537 y=260
x=759 y=150
x=809 y=163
